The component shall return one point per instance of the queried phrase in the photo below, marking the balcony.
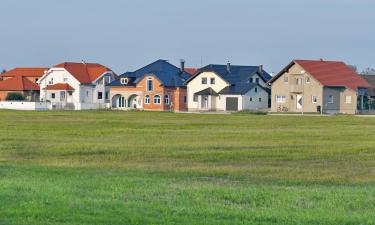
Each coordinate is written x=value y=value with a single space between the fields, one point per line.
x=296 y=88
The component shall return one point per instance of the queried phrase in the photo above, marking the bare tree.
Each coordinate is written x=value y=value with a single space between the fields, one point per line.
x=368 y=71
x=3 y=71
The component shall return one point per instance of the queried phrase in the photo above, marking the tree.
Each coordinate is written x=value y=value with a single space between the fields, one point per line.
x=354 y=67
x=14 y=96
x=368 y=71
x=3 y=71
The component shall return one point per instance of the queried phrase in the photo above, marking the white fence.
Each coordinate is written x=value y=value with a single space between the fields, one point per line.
x=20 y=105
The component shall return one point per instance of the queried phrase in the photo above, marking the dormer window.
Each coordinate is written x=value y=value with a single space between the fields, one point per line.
x=124 y=81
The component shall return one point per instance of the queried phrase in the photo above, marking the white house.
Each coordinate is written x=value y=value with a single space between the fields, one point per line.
x=76 y=86
x=228 y=88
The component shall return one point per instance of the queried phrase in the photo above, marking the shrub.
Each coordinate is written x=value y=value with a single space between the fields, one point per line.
x=13 y=96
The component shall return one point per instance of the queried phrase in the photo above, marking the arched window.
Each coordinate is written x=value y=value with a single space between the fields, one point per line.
x=166 y=99
x=157 y=99
x=150 y=84
x=147 y=99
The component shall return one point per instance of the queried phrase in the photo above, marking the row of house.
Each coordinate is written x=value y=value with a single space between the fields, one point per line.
x=302 y=86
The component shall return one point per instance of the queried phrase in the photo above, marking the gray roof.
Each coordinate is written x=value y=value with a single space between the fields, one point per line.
x=241 y=89
x=168 y=74
x=207 y=91
x=236 y=74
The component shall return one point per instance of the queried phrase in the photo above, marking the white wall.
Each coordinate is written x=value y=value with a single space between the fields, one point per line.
x=24 y=105
x=196 y=85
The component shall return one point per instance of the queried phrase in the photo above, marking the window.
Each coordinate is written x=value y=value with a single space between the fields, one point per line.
x=53 y=95
x=185 y=99
x=150 y=84
x=70 y=93
x=147 y=99
x=256 y=90
x=257 y=80
x=107 y=79
x=251 y=99
x=124 y=80
x=330 y=99
x=286 y=80
x=100 y=95
x=195 y=99
x=260 y=99
x=299 y=81
x=314 y=99
x=307 y=80
x=106 y=95
x=87 y=93
x=212 y=80
x=348 y=99
x=166 y=99
x=50 y=82
x=280 y=99
x=65 y=79
x=36 y=80
x=204 y=80
x=251 y=80
x=156 y=99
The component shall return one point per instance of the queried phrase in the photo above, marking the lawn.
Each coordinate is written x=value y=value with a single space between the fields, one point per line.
x=166 y=168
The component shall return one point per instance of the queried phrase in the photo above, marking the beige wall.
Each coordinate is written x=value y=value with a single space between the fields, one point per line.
x=291 y=90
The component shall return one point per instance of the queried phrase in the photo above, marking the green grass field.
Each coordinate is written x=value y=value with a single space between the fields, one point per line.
x=165 y=168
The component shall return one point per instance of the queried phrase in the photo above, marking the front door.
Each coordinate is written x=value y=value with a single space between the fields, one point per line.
x=204 y=103
x=299 y=100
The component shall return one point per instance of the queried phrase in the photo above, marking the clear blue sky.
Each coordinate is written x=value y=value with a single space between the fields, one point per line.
x=127 y=34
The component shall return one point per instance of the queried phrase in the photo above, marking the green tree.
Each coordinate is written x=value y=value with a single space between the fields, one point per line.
x=14 y=96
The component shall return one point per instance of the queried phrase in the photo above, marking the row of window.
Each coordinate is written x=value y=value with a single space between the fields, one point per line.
x=251 y=80
x=205 y=80
x=298 y=81
x=260 y=99
x=314 y=99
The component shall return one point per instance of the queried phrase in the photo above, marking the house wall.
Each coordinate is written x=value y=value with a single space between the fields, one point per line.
x=59 y=76
x=290 y=90
x=28 y=95
x=261 y=82
x=176 y=95
x=196 y=85
x=255 y=104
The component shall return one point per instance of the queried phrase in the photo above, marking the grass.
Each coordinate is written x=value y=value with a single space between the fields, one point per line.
x=166 y=168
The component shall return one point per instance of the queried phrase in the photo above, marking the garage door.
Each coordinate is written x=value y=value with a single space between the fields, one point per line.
x=232 y=104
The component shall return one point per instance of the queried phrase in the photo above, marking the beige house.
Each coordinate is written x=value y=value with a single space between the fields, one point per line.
x=317 y=87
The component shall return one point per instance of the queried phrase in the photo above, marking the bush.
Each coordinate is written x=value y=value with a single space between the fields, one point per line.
x=13 y=96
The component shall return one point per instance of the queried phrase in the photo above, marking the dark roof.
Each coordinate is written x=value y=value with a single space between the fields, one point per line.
x=207 y=91
x=239 y=89
x=371 y=80
x=237 y=74
x=168 y=74
x=329 y=73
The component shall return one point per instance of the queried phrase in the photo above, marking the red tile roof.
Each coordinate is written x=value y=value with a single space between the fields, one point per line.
x=191 y=71
x=25 y=72
x=18 y=84
x=85 y=73
x=60 y=87
x=330 y=73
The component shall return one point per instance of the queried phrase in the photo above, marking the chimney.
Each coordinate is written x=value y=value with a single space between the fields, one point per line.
x=182 y=65
x=228 y=67
x=260 y=69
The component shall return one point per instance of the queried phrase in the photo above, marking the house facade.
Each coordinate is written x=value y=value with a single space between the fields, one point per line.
x=158 y=86
x=228 y=88
x=76 y=86
x=319 y=86
x=22 y=81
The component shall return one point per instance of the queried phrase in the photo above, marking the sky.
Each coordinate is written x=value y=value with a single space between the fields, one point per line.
x=125 y=35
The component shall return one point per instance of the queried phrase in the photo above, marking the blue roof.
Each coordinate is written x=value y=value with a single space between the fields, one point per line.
x=168 y=74
x=237 y=74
